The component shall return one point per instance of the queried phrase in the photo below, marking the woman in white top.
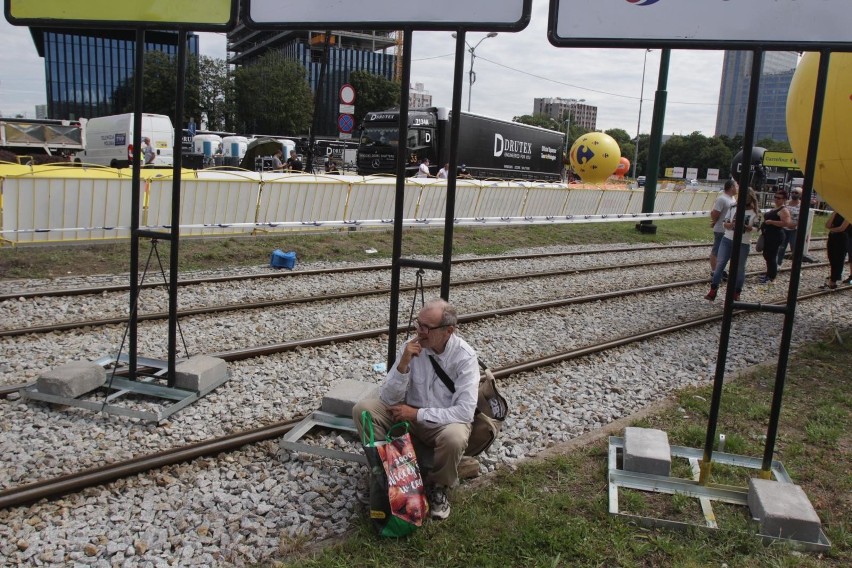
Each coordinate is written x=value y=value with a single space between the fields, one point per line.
x=726 y=247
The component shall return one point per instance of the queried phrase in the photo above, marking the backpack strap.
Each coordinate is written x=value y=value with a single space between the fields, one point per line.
x=442 y=374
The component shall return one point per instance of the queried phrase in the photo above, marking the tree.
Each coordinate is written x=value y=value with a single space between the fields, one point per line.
x=625 y=142
x=272 y=96
x=540 y=120
x=159 y=84
x=373 y=93
x=215 y=94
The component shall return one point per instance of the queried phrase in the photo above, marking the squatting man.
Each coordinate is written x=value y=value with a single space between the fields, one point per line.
x=413 y=392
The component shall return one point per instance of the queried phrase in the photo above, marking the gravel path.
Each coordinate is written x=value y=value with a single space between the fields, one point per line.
x=245 y=506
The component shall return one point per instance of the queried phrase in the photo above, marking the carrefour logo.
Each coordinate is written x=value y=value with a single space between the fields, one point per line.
x=643 y=2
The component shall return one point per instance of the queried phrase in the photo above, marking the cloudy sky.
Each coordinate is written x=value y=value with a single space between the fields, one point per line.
x=511 y=70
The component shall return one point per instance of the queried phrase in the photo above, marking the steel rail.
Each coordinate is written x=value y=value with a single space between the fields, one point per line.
x=51 y=488
x=309 y=299
x=57 y=487
x=323 y=271
x=237 y=355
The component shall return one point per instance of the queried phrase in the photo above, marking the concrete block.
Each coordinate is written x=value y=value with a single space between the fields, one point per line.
x=783 y=510
x=647 y=450
x=72 y=380
x=343 y=395
x=200 y=372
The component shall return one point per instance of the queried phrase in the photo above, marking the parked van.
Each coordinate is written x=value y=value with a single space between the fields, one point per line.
x=109 y=140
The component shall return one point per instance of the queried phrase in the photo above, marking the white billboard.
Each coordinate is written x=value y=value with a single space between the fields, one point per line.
x=697 y=24
x=477 y=15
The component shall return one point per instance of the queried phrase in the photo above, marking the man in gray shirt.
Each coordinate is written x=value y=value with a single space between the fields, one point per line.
x=720 y=210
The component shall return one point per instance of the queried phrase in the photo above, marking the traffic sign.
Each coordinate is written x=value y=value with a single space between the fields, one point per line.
x=347 y=94
x=345 y=123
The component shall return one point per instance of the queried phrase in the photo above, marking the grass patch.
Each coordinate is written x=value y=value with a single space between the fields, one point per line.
x=47 y=261
x=554 y=512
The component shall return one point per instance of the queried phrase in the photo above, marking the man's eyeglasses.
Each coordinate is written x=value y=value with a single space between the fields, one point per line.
x=426 y=328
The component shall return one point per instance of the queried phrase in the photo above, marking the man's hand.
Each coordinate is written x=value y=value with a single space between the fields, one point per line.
x=412 y=349
x=403 y=413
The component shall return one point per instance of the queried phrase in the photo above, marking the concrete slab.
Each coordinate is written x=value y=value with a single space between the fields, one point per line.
x=200 y=372
x=343 y=395
x=72 y=379
x=783 y=510
x=647 y=450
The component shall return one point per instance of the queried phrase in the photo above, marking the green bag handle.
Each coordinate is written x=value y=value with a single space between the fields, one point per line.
x=404 y=425
x=367 y=426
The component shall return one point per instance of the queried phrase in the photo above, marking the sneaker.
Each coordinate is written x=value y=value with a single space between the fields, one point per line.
x=439 y=505
x=765 y=280
x=848 y=281
x=711 y=295
x=736 y=296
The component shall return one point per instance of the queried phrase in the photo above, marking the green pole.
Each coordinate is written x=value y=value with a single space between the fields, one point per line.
x=653 y=167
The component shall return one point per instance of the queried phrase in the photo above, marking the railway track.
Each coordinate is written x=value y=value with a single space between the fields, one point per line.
x=89 y=290
x=63 y=485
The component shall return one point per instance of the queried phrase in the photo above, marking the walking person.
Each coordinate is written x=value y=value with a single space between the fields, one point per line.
x=789 y=234
x=444 y=172
x=726 y=247
x=720 y=210
x=772 y=229
x=414 y=392
x=148 y=153
x=838 y=229
x=423 y=170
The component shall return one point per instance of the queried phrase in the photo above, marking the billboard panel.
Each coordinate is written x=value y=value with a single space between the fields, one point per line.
x=702 y=24
x=153 y=14
x=476 y=15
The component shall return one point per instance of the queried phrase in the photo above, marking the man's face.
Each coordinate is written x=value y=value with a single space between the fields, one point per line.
x=430 y=333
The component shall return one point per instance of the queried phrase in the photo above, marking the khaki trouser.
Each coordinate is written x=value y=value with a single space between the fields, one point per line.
x=448 y=440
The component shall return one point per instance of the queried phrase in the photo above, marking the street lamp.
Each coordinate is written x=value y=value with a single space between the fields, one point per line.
x=471 y=74
x=639 y=123
x=573 y=105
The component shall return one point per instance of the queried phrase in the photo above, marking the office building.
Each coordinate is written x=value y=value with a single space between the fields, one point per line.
x=777 y=74
x=87 y=72
x=374 y=52
x=419 y=97
x=562 y=110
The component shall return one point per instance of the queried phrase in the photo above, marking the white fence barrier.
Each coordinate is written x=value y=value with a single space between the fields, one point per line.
x=55 y=209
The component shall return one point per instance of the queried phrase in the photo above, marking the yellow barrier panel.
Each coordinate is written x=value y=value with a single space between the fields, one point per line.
x=64 y=203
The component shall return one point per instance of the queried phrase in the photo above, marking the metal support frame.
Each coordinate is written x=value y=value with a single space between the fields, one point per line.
x=119 y=387
x=704 y=492
x=446 y=261
x=290 y=441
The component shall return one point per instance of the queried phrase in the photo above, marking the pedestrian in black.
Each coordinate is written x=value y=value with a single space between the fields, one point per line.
x=774 y=222
x=836 y=248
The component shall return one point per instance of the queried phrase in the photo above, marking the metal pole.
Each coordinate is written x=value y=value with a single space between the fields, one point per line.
x=175 y=231
x=656 y=143
x=471 y=76
x=401 y=162
x=135 y=200
x=455 y=123
x=728 y=312
x=796 y=269
x=639 y=122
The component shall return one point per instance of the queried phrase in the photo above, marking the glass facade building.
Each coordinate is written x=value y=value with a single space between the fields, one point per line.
x=771 y=120
x=88 y=74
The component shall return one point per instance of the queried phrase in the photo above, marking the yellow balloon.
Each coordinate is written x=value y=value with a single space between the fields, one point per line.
x=833 y=176
x=595 y=156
